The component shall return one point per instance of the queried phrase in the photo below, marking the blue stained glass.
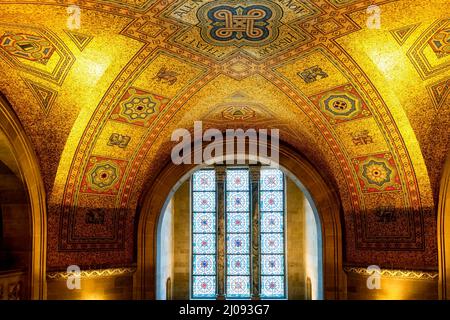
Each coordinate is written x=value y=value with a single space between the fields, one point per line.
x=237 y=180
x=238 y=243
x=204 y=222
x=272 y=287
x=238 y=201
x=272 y=264
x=204 y=180
x=238 y=222
x=238 y=287
x=272 y=222
x=204 y=202
x=204 y=264
x=271 y=200
x=203 y=287
x=272 y=243
x=204 y=244
x=238 y=265
x=271 y=179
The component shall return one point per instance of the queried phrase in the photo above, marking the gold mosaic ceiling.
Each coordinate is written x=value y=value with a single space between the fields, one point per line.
x=100 y=99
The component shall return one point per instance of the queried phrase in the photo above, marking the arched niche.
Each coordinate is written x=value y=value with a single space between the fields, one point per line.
x=29 y=170
x=444 y=232
x=322 y=195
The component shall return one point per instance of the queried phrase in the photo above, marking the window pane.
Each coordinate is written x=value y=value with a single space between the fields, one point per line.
x=238 y=264
x=204 y=244
x=271 y=179
x=238 y=287
x=271 y=201
x=238 y=222
x=204 y=287
x=272 y=287
x=238 y=243
x=204 y=180
x=238 y=201
x=272 y=264
x=204 y=223
x=272 y=222
x=204 y=202
x=272 y=243
x=204 y=265
x=237 y=180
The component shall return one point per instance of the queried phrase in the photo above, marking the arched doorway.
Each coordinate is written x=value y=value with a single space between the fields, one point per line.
x=321 y=196
x=444 y=232
x=20 y=164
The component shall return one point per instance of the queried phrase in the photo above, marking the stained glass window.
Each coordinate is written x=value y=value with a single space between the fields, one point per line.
x=204 y=235
x=237 y=211
x=237 y=236
x=272 y=253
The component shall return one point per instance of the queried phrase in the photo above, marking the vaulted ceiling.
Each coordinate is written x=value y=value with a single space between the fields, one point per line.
x=369 y=106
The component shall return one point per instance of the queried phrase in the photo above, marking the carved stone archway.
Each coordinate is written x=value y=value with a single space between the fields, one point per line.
x=444 y=232
x=29 y=168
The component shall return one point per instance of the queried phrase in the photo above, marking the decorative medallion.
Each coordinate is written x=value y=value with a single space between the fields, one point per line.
x=233 y=23
x=37 y=51
x=27 y=46
x=138 y=107
x=103 y=176
x=377 y=173
x=221 y=28
x=341 y=104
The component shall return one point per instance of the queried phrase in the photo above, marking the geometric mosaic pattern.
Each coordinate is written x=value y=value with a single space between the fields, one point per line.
x=37 y=51
x=439 y=92
x=377 y=173
x=138 y=107
x=27 y=46
x=103 y=175
x=228 y=23
x=341 y=104
x=402 y=34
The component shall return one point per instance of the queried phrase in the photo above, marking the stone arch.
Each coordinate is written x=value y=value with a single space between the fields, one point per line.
x=29 y=168
x=444 y=232
x=322 y=195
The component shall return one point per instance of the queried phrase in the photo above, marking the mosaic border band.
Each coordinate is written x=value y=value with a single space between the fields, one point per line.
x=391 y=273
x=99 y=273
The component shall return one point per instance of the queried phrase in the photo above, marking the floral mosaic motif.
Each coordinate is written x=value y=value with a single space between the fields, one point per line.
x=103 y=175
x=341 y=104
x=138 y=107
x=377 y=173
x=440 y=42
x=27 y=46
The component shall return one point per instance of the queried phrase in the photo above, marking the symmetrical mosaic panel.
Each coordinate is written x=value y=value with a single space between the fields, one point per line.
x=217 y=29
